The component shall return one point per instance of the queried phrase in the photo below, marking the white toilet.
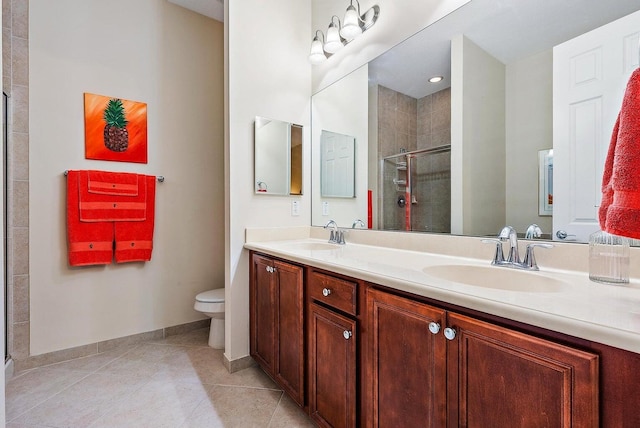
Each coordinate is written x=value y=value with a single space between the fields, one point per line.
x=211 y=303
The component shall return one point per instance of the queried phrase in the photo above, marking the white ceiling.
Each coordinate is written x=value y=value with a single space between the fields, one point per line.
x=508 y=29
x=211 y=8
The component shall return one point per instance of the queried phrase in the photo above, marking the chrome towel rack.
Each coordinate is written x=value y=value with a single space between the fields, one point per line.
x=160 y=178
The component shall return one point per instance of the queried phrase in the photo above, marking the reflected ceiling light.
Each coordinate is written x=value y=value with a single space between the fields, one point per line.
x=339 y=35
x=316 y=56
x=436 y=79
x=333 y=43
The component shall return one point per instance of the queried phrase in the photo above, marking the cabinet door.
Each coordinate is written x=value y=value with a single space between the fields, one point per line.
x=290 y=330
x=263 y=313
x=405 y=378
x=332 y=373
x=503 y=378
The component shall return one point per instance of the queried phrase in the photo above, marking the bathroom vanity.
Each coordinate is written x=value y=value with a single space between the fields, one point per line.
x=357 y=340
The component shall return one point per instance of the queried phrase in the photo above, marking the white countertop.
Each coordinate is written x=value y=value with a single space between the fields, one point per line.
x=608 y=314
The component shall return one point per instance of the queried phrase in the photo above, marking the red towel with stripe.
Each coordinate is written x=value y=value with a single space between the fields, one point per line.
x=620 y=207
x=89 y=243
x=103 y=206
x=121 y=203
x=134 y=239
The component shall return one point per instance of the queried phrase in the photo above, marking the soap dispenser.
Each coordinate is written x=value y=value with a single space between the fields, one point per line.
x=608 y=258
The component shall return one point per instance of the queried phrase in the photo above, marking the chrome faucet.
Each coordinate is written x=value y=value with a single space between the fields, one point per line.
x=337 y=235
x=533 y=231
x=358 y=222
x=508 y=233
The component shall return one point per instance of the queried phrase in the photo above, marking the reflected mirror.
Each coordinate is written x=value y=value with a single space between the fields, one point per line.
x=461 y=155
x=278 y=157
x=337 y=165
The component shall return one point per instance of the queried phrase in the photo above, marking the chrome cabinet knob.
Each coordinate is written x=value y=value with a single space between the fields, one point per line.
x=450 y=333
x=347 y=334
x=326 y=292
x=434 y=327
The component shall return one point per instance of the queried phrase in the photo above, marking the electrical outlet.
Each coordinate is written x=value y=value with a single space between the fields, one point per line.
x=295 y=208
x=325 y=208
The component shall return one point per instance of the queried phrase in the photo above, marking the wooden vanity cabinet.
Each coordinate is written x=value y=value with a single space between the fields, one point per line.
x=276 y=304
x=434 y=368
x=333 y=350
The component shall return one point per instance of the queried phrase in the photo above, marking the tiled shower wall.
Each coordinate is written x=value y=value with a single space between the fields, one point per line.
x=413 y=124
x=15 y=83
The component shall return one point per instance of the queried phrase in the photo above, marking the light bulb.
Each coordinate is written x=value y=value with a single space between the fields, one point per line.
x=316 y=56
x=351 y=24
x=333 y=43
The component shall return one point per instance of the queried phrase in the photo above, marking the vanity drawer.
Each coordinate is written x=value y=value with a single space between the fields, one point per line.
x=335 y=292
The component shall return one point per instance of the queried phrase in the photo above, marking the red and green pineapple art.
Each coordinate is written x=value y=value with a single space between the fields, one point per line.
x=115 y=129
x=116 y=136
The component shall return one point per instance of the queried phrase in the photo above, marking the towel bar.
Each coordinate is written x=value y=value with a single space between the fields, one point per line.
x=160 y=178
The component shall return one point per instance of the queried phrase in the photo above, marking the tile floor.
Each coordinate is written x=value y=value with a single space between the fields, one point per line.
x=174 y=382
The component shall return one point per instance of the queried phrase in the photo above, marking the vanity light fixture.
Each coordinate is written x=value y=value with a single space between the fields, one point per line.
x=317 y=50
x=436 y=79
x=333 y=43
x=339 y=35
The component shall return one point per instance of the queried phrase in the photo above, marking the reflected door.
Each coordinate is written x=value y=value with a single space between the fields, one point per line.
x=590 y=74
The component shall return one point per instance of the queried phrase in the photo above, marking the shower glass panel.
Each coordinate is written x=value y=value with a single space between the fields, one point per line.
x=416 y=191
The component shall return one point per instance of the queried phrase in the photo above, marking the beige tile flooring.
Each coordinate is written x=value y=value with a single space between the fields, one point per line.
x=174 y=382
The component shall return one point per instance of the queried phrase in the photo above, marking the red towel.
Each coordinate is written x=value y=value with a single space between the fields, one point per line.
x=89 y=243
x=98 y=204
x=134 y=239
x=110 y=183
x=619 y=212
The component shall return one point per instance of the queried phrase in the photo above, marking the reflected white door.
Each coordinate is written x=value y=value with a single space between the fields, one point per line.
x=590 y=74
x=338 y=165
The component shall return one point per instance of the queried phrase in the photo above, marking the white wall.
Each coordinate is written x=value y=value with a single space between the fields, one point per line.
x=399 y=19
x=267 y=74
x=172 y=59
x=529 y=128
x=343 y=108
x=477 y=140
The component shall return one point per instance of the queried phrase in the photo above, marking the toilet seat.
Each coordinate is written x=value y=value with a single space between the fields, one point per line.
x=211 y=296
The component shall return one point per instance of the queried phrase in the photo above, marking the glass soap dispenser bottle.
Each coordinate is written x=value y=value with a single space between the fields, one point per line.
x=608 y=258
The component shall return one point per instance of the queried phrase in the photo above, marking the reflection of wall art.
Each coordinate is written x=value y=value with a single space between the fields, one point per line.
x=115 y=129
x=545 y=179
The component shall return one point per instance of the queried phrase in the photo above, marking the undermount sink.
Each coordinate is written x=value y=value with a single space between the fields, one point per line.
x=311 y=246
x=496 y=277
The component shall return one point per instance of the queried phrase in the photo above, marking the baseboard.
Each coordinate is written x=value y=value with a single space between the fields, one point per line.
x=54 y=357
x=239 y=363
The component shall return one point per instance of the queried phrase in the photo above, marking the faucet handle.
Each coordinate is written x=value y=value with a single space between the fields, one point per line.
x=529 y=261
x=498 y=258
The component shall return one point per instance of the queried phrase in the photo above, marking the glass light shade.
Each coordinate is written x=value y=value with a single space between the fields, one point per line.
x=333 y=43
x=317 y=53
x=351 y=24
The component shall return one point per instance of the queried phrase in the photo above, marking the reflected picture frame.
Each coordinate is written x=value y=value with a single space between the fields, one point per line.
x=545 y=182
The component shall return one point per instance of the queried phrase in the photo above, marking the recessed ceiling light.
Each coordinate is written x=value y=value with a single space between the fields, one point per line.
x=436 y=79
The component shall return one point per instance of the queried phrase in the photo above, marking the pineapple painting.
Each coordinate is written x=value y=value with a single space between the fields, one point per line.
x=116 y=136
x=115 y=129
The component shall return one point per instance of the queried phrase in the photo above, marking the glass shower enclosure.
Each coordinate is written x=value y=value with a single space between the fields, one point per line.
x=416 y=190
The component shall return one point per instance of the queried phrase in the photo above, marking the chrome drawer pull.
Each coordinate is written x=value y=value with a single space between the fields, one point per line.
x=434 y=327
x=347 y=334
x=326 y=292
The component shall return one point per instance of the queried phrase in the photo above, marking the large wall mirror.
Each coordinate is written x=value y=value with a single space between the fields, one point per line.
x=278 y=157
x=461 y=155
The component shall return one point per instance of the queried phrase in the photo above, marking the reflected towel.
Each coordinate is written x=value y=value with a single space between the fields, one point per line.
x=619 y=212
x=124 y=203
x=88 y=243
x=134 y=240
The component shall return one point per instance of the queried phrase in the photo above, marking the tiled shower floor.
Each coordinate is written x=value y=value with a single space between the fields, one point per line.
x=174 y=382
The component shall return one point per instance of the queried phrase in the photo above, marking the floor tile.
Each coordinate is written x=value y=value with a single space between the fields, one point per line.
x=83 y=402
x=173 y=382
x=289 y=415
x=29 y=389
x=230 y=407
x=156 y=404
